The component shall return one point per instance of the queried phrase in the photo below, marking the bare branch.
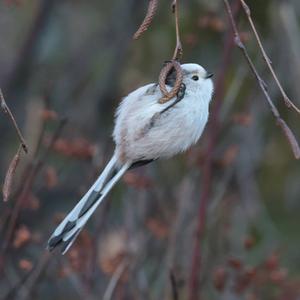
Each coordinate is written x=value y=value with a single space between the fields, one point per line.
x=208 y=167
x=152 y=7
x=174 y=63
x=286 y=99
x=286 y=130
x=178 y=49
x=114 y=280
x=174 y=286
x=25 y=290
x=7 y=111
x=290 y=137
x=33 y=171
x=7 y=186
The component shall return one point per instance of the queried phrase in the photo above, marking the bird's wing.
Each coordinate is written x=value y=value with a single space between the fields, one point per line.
x=139 y=110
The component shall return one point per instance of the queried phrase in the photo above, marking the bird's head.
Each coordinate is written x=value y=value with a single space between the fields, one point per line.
x=196 y=79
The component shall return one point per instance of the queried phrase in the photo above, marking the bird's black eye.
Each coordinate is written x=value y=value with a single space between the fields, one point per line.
x=195 y=77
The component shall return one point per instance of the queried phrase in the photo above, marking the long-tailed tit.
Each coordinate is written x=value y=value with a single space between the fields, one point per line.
x=145 y=130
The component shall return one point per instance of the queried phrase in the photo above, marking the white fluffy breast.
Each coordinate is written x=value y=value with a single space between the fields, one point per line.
x=141 y=133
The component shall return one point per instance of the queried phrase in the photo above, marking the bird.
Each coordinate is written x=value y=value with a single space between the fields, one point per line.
x=145 y=130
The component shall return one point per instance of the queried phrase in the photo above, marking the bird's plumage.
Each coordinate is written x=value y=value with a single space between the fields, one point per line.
x=145 y=130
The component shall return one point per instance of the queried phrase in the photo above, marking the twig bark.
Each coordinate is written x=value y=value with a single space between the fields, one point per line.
x=282 y=124
x=178 y=49
x=174 y=286
x=7 y=111
x=33 y=170
x=7 y=186
x=174 y=63
x=286 y=99
x=162 y=80
x=152 y=8
x=27 y=287
x=114 y=280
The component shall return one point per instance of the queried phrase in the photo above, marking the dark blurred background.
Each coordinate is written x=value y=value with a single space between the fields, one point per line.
x=75 y=60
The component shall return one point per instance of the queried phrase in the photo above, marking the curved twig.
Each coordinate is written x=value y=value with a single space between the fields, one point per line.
x=286 y=99
x=7 y=111
x=152 y=7
x=162 y=80
x=174 y=63
x=115 y=279
x=7 y=186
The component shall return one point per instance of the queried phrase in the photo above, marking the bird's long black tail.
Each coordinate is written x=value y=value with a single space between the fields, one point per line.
x=68 y=230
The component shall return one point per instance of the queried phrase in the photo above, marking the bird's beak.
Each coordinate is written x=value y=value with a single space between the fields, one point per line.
x=209 y=75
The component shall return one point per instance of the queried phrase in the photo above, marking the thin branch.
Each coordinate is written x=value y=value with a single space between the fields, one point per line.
x=7 y=186
x=286 y=99
x=152 y=8
x=25 y=290
x=174 y=63
x=162 y=80
x=286 y=130
x=178 y=49
x=290 y=137
x=174 y=286
x=7 y=111
x=207 y=168
x=114 y=280
x=34 y=169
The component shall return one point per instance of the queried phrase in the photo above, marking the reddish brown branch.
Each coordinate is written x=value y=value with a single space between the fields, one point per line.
x=286 y=99
x=174 y=286
x=178 y=49
x=7 y=111
x=174 y=63
x=7 y=186
x=286 y=130
x=33 y=171
x=152 y=8
x=213 y=132
x=290 y=137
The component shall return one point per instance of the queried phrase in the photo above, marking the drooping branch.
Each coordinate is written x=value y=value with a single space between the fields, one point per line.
x=152 y=8
x=33 y=170
x=7 y=186
x=178 y=49
x=286 y=99
x=207 y=168
x=174 y=286
x=7 y=111
x=284 y=127
x=174 y=63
